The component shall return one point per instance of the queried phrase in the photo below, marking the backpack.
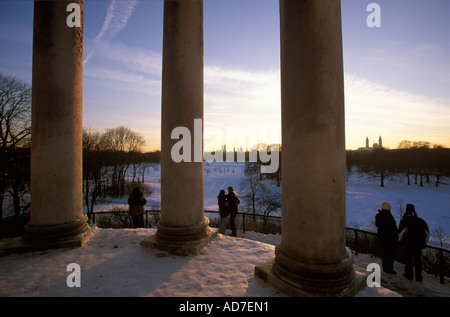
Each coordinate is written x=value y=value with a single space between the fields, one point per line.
x=415 y=232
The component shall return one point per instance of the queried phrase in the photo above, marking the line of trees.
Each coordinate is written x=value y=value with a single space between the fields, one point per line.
x=15 y=135
x=415 y=159
x=109 y=157
x=419 y=161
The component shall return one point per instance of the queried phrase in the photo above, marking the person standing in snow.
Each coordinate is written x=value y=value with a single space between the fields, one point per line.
x=223 y=210
x=136 y=202
x=387 y=236
x=414 y=234
x=233 y=205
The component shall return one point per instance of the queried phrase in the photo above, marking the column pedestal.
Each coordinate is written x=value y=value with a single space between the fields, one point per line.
x=266 y=272
x=40 y=238
x=181 y=240
x=73 y=233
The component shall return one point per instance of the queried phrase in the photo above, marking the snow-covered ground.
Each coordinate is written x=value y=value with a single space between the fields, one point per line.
x=112 y=263
x=364 y=197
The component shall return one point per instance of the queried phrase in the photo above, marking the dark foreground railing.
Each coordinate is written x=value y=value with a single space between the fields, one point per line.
x=435 y=260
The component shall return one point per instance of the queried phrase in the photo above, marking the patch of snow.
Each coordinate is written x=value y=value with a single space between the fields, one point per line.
x=112 y=263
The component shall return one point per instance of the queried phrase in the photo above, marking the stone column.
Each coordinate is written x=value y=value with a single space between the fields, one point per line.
x=57 y=217
x=182 y=229
x=312 y=257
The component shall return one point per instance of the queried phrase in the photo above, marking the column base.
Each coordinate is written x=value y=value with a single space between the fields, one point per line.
x=40 y=238
x=264 y=272
x=181 y=240
x=297 y=278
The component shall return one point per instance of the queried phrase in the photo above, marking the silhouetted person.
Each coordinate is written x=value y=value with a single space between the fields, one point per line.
x=136 y=202
x=233 y=205
x=387 y=236
x=223 y=210
x=414 y=235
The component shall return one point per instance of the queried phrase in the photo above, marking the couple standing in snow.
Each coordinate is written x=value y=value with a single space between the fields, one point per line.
x=412 y=234
x=228 y=206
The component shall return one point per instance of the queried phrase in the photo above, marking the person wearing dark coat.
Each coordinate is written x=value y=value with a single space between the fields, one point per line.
x=387 y=236
x=233 y=205
x=136 y=202
x=223 y=210
x=413 y=238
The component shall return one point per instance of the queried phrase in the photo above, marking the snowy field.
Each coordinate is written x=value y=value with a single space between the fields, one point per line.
x=364 y=196
x=112 y=263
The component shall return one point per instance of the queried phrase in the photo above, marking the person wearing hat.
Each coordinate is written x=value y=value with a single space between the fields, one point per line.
x=387 y=236
x=414 y=234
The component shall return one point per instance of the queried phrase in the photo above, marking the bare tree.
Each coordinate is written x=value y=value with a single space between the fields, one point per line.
x=441 y=235
x=269 y=202
x=122 y=139
x=106 y=158
x=123 y=144
x=255 y=195
x=378 y=164
x=15 y=131
x=251 y=192
x=93 y=167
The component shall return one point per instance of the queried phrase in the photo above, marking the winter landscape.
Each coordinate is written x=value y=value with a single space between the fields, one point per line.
x=112 y=263
x=322 y=73
x=364 y=196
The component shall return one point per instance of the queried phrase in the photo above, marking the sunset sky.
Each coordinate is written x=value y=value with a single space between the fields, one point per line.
x=397 y=76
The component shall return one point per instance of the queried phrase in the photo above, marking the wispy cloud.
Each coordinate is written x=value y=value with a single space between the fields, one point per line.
x=133 y=59
x=373 y=109
x=116 y=19
x=126 y=81
x=229 y=88
x=420 y=67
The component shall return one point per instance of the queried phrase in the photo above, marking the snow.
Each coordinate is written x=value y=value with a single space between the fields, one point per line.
x=364 y=196
x=113 y=263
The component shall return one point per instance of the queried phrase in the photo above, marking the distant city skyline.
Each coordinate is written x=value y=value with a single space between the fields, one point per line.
x=396 y=75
